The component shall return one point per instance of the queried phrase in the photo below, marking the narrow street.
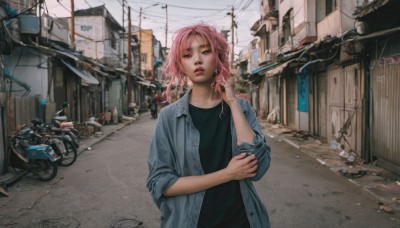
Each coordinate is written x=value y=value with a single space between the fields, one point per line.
x=106 y=188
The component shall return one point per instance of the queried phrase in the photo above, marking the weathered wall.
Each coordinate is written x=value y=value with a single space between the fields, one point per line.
x=90 y=36
x=30 y=67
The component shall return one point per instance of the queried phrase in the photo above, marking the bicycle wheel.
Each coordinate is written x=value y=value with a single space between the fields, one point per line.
x=44 y=169
x=69 y=155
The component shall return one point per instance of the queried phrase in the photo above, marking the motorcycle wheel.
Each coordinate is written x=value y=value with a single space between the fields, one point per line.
x=16 y=162
x=70 y=154
x=44 y=169
x=74 y=137
x=58 y=152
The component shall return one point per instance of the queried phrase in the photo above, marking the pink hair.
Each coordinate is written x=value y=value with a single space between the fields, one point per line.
x=182 y=40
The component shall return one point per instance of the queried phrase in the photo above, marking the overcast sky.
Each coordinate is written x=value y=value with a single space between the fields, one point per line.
x=180 y=13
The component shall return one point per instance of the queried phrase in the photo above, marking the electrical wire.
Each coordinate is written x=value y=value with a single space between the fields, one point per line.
x=319 y=60
x=244 y=8
x=185 y=7
x=69 y=10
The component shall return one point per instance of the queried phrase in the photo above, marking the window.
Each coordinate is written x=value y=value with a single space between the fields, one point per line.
x=272 y=4
x=330 y=6
x=113 y=41
x=144 y=58
x=286 y=27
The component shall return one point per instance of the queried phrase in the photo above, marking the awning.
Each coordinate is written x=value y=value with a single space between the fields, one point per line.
x=86 y=76
x=279 y=69
x=371 y=7
x=146 y=83
x=121 y=70
x=261 y=69
x=52 y=51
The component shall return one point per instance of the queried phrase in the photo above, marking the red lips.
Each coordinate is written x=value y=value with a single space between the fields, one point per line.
x=199 y=70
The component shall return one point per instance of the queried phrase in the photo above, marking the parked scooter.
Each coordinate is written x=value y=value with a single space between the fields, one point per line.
x=60 y=121
x=61 y=143
x=40 y=160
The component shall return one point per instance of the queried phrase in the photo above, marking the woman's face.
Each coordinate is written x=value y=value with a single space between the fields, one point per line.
x=198 y=61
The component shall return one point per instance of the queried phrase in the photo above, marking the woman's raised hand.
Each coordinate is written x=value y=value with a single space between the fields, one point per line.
x=226 y=90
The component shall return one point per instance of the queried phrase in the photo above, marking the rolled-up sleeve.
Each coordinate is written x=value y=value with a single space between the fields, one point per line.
x=259 y=147
x=161 y=169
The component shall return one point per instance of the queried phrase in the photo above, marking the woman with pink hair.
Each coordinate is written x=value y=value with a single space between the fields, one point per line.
x=208 y=147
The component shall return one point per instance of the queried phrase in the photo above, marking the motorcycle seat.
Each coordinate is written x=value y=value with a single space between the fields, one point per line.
x=61 y=118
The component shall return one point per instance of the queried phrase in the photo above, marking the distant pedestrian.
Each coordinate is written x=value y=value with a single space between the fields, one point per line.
x=154 y=107
x=208 y=147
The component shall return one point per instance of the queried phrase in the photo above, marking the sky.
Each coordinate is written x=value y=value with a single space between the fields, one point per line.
x=180 y=13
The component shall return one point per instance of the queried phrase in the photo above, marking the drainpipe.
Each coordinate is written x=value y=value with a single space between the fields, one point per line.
x=278 y=100
x=103 y=105
x=366 y=150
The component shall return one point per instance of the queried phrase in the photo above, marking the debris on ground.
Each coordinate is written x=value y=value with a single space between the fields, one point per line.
x=356 y=174
x=3 y=192
x=385 y=208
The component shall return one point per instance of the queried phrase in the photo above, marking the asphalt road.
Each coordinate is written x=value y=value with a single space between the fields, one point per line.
x=106 y=188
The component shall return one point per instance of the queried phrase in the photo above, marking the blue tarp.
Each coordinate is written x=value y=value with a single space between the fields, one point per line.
x=262 y=68
x=302 y=90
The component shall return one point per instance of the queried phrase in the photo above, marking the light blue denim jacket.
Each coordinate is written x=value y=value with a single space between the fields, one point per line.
x=174 y=153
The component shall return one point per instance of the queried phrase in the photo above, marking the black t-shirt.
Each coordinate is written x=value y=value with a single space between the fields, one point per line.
x=223 y=204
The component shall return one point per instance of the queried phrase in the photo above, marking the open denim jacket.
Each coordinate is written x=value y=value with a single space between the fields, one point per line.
x=174 y=152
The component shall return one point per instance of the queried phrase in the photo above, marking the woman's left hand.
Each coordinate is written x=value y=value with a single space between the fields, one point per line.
x=226 y=90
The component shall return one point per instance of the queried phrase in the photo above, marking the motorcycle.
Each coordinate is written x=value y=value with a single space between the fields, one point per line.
x=60 y=121
x=40 y=160
x=61 y=143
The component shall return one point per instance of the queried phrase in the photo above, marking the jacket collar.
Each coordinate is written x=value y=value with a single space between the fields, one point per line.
x=183 y=104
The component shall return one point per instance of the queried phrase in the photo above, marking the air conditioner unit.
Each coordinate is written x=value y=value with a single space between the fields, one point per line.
x=29 y=24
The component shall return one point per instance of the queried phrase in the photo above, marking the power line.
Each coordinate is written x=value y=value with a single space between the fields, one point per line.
x=69 y=10
x=244 y=7
x=185 y=7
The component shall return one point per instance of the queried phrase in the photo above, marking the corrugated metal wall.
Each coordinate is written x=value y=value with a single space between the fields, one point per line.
x=25 y=109
x=291 y=84
x=59 y=88
x=345 y=105
x=263 y=98
x=322 y=90
x=385 y=113
x=273 y=84
x=85 y=104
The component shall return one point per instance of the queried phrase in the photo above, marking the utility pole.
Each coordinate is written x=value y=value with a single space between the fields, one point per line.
x=166 y=25
x=140 y=42
x=129 y=58
x=123 y=31
x=233 y=36
x=72 y=25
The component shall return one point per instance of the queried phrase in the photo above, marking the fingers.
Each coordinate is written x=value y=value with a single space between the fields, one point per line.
x=246 y=166
x=240 y=156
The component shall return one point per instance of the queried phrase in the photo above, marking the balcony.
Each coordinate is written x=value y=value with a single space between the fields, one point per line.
x=330 y=26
